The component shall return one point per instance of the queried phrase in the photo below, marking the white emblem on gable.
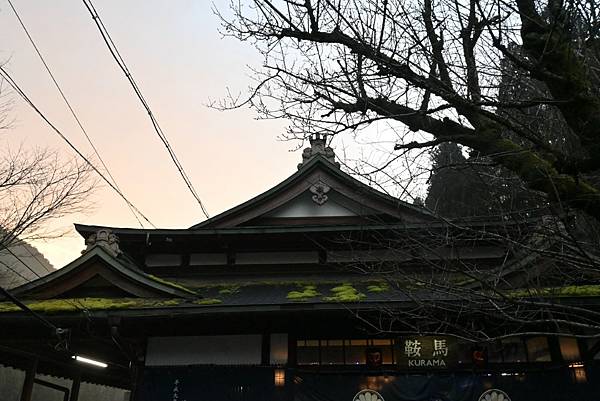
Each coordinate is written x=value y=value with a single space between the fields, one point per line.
x=368 y=395
x=494 y=395
x=319 y=191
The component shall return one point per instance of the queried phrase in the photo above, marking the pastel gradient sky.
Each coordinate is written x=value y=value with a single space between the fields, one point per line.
x=180 y=61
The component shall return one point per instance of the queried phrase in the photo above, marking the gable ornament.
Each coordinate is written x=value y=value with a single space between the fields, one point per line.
x=104 y=238
x=319 y=191
x=318 y=146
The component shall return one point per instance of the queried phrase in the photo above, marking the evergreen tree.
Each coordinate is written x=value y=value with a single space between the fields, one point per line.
x=453 y=187
x=473 y=187
x=461 y=187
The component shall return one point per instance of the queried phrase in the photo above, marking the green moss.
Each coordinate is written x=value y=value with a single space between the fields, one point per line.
x=168 y=302
x=78 y=304
x=378 y=287
x=306 y=292
x=345 y=293
x=580 y=291
x=229 y=289
x=170 y=284
x=208 y=301
x=591 y=290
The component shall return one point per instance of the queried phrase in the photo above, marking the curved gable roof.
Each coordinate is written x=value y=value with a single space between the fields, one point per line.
x=317 y=169
x=97 y=262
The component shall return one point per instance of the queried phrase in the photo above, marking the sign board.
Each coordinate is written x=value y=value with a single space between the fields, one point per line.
x=426 y=352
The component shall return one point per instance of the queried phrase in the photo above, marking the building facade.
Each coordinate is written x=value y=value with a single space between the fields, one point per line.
x=296 y=294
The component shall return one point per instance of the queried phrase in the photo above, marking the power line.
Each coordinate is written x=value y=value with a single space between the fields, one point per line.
x=22 y=261
x=56 y=330
x=24 y=307
x=15 y=272
x=4 y=74
x=69 y=105
x=24 y=264
x=3 y=243
x=33 y=255
x=117 y=56
x=36 y=274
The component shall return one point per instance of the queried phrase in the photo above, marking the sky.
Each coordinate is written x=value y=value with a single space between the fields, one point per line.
x=181 y=63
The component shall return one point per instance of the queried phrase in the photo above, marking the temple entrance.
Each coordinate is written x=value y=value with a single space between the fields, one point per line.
x=269 y=384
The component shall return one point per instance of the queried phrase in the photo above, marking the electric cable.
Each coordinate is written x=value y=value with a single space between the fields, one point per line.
x=38 y=276
x=22 y=261
x=15 y=272
x=41 y=263
x=4 y=74
x=69 y=105
x=16 y=301
x=119 y=59
x=55 y=330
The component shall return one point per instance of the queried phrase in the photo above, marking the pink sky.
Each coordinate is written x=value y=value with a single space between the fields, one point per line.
x=180 y=61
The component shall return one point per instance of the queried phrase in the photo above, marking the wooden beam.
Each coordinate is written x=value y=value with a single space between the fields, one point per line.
x=75 y=388
x=54 y=386
x=27 y=390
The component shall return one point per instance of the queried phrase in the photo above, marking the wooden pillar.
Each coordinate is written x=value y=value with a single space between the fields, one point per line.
x=27 y=390
x=292 y=347
x=133 y=390
x=265 y=350
x=136 y=384
x=75 y=388
x=554 y=348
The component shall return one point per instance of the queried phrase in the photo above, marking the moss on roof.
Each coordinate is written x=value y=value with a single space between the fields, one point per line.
x=345 y=293
x=208 y=301
x=78 y=304
x=305 y=293
x=229 y=289
x=170 y=283
x=378 y=287
x=589 y=290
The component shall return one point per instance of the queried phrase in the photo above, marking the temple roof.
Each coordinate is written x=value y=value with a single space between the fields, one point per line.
x=100 y=270
x=319 y=192
x=306 y=213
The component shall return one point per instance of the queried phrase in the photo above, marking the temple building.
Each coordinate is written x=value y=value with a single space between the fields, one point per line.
x=312 y=290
